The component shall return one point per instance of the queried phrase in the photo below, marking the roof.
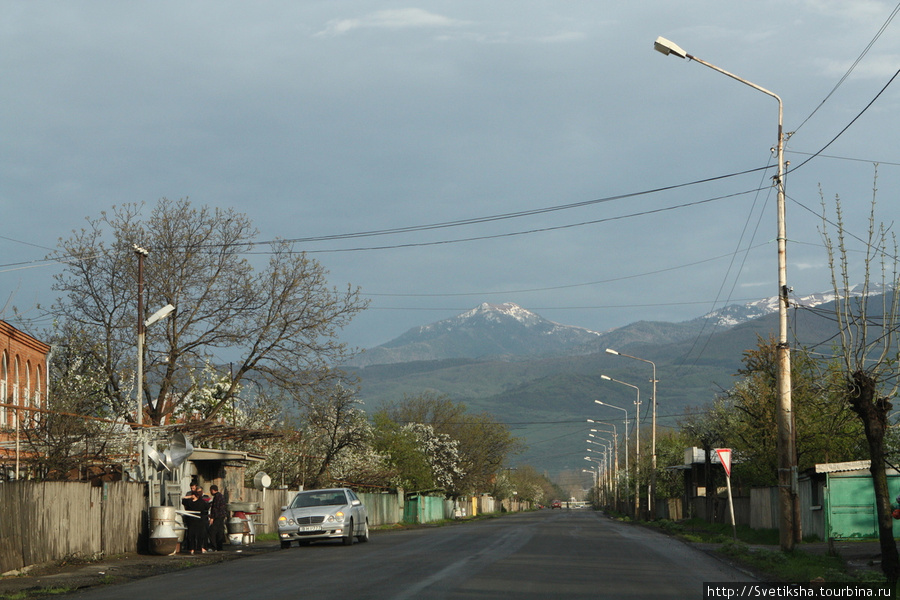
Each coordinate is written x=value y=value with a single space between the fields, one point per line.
x=231 y=455
x=841 y=467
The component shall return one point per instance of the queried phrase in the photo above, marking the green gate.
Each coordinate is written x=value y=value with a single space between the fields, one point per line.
x=850 y=506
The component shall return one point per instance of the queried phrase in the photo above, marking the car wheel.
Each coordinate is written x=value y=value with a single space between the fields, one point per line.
x=285 y=544
x=347 y=540
x=365 y=534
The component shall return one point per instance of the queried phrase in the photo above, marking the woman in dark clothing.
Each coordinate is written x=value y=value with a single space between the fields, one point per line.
x=195 y=537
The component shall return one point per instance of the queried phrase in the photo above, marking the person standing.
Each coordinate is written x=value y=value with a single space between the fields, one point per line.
x=218 y=514
x=197 y=521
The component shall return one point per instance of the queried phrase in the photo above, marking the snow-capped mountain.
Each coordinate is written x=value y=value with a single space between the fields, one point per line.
x=736 y=314
x=488 y=330
x=509 y=332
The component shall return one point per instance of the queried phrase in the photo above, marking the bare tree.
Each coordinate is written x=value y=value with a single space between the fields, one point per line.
x=867 y=317
x=276 y=324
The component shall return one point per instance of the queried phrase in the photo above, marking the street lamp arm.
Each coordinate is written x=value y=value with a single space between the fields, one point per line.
x=668 y=47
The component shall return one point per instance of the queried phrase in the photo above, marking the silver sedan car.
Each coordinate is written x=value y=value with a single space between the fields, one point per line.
x=315 y=515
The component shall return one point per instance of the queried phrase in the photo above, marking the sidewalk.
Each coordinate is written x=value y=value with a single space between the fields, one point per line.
x=116 y=569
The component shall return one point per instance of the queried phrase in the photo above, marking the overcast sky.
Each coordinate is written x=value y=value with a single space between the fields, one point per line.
x=323 y=118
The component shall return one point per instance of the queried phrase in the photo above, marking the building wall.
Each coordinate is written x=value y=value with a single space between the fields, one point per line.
x=23 y=386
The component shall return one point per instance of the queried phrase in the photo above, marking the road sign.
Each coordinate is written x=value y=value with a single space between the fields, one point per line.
x=725 y=458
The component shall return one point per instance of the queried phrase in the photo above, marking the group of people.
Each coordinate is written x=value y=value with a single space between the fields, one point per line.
x=206 y=523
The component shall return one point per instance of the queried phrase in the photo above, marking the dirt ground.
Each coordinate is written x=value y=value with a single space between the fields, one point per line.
x=40 y=580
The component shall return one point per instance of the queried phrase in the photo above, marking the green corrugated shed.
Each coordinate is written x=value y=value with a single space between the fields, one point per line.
x=420 y=508
x=850 y=500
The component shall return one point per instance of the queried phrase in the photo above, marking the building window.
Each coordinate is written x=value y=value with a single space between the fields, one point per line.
x=4 y=394
x=23 y=416
x=36 y=401
x=14 y=398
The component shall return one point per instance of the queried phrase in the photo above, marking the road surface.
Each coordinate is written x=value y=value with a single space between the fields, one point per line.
x=569 y=554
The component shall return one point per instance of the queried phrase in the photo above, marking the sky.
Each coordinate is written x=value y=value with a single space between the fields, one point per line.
x=561 y=162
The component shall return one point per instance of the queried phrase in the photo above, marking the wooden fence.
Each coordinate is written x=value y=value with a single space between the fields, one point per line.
x=51 y=521
x=43 y=522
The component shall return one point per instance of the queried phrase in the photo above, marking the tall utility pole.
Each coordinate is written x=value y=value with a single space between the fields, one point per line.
x=139 y=387
x=789 y=515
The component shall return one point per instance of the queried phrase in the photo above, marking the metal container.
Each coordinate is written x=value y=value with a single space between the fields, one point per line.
x=249 y=507
x=236 y=525
x=161 y=514
x=163 y=540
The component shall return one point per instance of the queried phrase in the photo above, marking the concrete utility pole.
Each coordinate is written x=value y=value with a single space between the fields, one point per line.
x=139 y=387
x=789 y=521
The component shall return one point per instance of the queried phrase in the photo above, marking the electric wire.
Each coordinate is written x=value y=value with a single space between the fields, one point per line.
x=852 y=66
x=850 y=124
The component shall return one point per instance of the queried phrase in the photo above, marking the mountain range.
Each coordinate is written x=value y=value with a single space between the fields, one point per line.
x=541 y=377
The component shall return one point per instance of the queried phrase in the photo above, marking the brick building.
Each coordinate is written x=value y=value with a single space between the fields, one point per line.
x=23 y=388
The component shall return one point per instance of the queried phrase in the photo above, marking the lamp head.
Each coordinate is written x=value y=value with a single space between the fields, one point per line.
x=160 y=314
x=607 y=378
x=611 y=351
x=668 y=47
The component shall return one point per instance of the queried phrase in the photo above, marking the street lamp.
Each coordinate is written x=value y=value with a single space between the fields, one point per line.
x=787 y=456
x=596 y=478
x=615 y=442
x=652 y=429
x=615 y=452
x=637 y=445
x=626 y=430
x=599 y=463
x=613 y=459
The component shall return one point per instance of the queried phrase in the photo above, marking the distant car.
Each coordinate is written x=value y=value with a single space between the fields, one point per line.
x=330 y=514
x=556 y=504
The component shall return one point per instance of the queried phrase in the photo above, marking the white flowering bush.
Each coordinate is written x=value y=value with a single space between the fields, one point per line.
x=442 y=453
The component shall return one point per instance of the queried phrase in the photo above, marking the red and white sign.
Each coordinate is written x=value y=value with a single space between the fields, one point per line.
x=725 y=458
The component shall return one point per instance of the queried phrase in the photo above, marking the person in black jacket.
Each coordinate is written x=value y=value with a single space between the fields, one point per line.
x=196 y=522
x=218 y=514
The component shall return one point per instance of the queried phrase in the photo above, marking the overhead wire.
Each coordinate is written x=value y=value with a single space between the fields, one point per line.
x=853 y=66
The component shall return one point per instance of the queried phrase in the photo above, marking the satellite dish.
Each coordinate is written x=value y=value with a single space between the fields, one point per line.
x=262 y=481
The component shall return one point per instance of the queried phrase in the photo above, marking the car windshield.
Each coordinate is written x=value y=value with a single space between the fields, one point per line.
x=308 y=499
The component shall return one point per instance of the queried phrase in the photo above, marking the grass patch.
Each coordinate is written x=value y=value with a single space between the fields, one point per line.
x=796 y=565
x=26 y=594
x=698 y=530
x=793 y=566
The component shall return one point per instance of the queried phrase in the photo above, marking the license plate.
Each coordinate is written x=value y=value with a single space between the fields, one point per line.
x=308 y=528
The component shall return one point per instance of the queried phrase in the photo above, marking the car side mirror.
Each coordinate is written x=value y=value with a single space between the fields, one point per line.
x=355 y=503
x=283 y=508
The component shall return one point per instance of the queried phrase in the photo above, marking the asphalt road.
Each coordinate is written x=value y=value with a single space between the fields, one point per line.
x=538 y=555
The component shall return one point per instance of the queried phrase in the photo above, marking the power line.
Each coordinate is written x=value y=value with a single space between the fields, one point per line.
x=852 y=67
x=852 y=121
x=529 y=231
x=573 y=285
x=510 y=215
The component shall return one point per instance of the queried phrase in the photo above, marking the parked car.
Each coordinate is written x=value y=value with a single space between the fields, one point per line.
x=556 y=504
x=315 y=515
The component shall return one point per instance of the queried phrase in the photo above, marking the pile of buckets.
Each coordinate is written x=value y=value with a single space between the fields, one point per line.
x=241 y=526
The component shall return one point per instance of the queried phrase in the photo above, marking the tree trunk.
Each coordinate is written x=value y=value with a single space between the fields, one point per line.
x=873 y=414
